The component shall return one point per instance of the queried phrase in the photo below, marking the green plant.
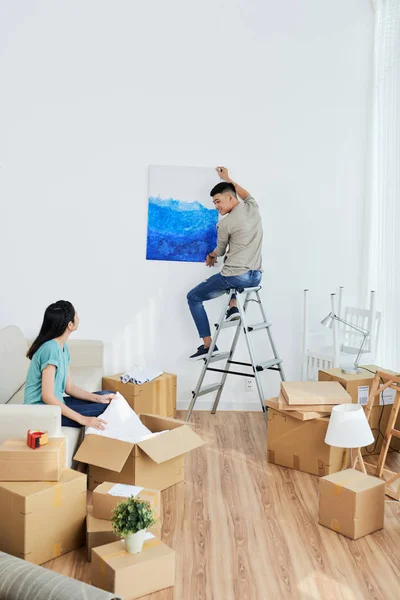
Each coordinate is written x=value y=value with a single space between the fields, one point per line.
x=132 y=516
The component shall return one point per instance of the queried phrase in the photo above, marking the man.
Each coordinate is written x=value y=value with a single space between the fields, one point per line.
x=240 y=237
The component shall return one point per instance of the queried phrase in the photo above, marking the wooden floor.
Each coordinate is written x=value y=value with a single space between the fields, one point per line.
x=243 y=529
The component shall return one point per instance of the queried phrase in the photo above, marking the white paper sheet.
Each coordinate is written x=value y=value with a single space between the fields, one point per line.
x=125 y=491
x=148 y=536
x=122 y=423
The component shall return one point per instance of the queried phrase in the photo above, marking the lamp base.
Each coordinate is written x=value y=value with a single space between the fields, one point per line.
x=351 y=370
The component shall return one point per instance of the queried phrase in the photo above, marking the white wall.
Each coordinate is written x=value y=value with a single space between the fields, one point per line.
x=93 y=92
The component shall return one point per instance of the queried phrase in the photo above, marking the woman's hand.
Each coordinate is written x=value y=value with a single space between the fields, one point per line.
x=104 y=398
x=95 y=422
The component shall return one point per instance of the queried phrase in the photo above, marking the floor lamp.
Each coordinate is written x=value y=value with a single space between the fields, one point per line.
x=348 y=428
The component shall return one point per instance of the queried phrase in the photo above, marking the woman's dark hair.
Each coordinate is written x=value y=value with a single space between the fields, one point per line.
x=55 y=321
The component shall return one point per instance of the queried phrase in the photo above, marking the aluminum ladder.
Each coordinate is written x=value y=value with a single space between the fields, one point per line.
x=274 y=364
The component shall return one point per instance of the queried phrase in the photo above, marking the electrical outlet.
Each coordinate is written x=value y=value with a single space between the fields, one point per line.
x=249 y=382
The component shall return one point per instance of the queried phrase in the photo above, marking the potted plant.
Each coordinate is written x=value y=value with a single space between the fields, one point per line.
x=130 y=520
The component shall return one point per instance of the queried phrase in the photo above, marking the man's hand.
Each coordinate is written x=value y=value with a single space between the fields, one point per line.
x=223 y=173
x=211 y=259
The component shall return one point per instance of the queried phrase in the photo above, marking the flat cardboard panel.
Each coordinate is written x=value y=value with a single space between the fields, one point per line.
x=157 y=397
x=282 y=405
x=104 y=452
x=352 y=503
x=296 y=414
x=19 y=462
x=314 y=392
x=301 y=444
x=41 y=521
x=133 y=575
x=171 y=444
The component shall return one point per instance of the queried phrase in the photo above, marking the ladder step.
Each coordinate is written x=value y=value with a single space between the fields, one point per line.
x=220 y=356
x=258 y=326
x=227 y=324
x=268 y=364
x=251 y=290
x=207 y=389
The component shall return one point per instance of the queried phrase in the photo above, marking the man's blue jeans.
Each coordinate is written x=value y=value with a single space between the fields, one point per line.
x=213 y=287
x=83 y=407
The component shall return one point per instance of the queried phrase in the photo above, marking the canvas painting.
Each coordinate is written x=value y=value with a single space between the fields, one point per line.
x=181 y=216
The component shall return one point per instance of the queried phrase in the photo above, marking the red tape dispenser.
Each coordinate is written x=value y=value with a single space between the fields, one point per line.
x=37 y=438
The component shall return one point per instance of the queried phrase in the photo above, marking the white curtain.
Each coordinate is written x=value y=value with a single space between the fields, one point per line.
x=383 y=202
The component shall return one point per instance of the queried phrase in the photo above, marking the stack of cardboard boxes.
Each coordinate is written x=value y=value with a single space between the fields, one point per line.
x=297 y=425
x=42 y=504
x=118 y=469
x=350 y=502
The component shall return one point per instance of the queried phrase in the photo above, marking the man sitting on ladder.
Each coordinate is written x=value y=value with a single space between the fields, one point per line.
x=240 y=238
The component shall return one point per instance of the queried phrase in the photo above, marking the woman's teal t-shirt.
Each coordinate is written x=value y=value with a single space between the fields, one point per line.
x=50 y=353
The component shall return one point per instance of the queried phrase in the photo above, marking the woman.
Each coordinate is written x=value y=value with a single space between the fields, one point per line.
x=48 y=375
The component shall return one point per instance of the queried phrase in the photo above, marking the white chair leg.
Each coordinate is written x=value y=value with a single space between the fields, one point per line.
x=336 y=350
x=305 y=334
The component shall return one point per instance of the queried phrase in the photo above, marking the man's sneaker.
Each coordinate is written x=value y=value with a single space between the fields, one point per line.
x=202 y=352
x=232 y=314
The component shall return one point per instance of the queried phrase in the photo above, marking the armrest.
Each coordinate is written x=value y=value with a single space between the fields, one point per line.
x=16 y=419
x=86 y=353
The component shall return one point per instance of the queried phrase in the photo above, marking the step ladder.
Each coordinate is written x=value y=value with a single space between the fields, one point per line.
x=274 y=364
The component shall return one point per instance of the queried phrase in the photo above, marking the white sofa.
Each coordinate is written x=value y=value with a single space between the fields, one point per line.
x=15 y=417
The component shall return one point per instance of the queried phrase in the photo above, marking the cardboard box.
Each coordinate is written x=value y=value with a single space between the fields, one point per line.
x=300 y=445
x=158 y=397
x=351 y=503
x=104 y=503
x=19 y=462
x=133 y=575
x=314 y=392
x=100 y=532
x=43 y=520
x=358 y=386
x=156 y=463
x=303 y=415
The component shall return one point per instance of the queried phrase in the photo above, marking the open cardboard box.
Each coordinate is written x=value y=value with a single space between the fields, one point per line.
x=156 y=463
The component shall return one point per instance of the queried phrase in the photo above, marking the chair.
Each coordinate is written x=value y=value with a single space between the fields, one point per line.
x=345 y=340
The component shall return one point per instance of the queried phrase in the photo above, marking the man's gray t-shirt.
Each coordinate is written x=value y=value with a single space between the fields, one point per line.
x=241 y=232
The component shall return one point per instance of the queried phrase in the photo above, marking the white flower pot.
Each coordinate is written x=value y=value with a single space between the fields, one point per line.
x=134 y=541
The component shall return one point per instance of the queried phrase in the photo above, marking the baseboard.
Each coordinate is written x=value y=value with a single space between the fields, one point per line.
x=201 y=404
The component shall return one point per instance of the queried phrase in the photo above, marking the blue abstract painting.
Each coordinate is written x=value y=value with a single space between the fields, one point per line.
x=180 y=229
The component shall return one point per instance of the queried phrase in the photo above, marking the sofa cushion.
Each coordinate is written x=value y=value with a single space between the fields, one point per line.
x=13 y=362
x=73 y=439
x=87 y=378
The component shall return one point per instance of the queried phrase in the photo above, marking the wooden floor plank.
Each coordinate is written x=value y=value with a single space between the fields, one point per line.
x=246 y=530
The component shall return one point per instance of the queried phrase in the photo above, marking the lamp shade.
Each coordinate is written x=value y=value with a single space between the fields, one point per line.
x=328 y=321
x=348 y=427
